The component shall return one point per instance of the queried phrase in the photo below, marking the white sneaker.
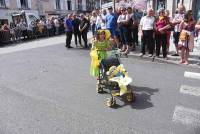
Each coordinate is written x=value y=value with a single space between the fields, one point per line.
x=141 y=55
x=150 y=55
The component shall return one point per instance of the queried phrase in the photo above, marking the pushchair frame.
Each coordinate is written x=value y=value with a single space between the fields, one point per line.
x=105 y=83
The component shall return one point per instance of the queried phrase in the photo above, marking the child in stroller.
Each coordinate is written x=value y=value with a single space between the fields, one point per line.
x=109 y=72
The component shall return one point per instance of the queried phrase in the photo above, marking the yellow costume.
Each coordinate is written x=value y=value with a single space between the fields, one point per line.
x=98 y=52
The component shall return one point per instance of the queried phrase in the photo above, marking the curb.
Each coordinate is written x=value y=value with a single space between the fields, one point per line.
x=195 y=63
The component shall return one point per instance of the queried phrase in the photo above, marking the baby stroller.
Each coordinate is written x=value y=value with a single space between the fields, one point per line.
x=113 y=76
x=110 y=72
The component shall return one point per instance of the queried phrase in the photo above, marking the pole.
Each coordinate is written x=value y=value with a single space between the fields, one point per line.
x=75 y=5
x=100 y=2
x=114 y=5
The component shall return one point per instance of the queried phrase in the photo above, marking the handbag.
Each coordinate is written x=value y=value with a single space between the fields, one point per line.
x=183 y=36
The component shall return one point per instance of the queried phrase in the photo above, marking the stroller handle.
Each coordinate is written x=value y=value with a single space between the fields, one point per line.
x=113 y=53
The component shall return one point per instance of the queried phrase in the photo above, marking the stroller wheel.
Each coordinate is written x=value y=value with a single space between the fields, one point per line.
x=99 y=88
x=130 y=97
x=110 y=102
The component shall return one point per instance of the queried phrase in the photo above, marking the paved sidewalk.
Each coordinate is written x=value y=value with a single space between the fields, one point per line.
x=43 y=42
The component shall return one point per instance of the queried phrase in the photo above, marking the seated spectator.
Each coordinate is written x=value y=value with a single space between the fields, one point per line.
x=5 y=27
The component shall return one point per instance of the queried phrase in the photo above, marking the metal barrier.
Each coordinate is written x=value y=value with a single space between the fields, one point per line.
x=4 y=37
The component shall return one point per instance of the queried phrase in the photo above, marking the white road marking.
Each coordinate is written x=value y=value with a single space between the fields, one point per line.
x=192 y=75
x=34 y=44
x=186 y=116
x=190 y=90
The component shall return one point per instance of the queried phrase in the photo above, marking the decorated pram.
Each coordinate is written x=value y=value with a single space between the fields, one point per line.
x=111 y=75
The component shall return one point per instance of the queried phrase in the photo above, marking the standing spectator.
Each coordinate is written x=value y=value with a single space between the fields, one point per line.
x=5 y=27
x=169 y=30
x=61 y=28
x=135 y=26
x=162 y=26
x=122 y=22
x=57 y=25
x=197 y=26
x=104 y=13
x=186 y=39
x=30 y=30
x=53 y=25
x=23 y=27
x=68 y=29
x=93 y=20
x=18 y=31
x=178 y=18
x=76 y=23
x=40 y=26
x=129 y=25
x=147 y=25
x=49 y=27
x=12 y=32
x=98 y=21
x=84 y=25
x=111 y=24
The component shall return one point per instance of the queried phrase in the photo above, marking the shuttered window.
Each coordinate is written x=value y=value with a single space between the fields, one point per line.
x=69 y=5
x=2 y=3
x=24 y=4
x=58 y=4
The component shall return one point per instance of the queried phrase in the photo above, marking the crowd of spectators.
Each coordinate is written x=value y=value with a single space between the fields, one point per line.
x=20 y=30
x=155 y=28
x=124 y=24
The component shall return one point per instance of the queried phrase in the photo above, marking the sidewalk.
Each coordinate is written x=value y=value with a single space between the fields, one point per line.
x=194 y=58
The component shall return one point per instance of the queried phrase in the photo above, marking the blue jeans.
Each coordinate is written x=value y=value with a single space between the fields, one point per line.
x=124 y=35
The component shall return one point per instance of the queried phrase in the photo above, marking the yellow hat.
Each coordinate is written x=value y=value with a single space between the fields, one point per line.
x=107 y=33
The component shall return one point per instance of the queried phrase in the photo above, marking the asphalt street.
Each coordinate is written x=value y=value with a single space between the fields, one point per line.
x=48 y=90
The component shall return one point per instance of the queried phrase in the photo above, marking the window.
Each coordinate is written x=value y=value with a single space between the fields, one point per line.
x=2 y=3
x=24 y=4
x=69 y=5
x=79 y=4
x=161 y=4
x=58 y=4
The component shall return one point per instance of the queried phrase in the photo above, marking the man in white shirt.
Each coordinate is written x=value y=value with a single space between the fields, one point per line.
x=57 y=25
x=147 y=25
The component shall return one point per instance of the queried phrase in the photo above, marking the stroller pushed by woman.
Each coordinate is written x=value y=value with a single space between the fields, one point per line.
x=108 y=70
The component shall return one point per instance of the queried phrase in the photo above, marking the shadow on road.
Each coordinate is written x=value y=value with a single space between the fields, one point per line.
x=142 y=98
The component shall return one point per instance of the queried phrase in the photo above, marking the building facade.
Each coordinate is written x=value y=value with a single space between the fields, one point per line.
x=171 y=5
x=44 y=7
x=55 y=7
x=90 y=5
x=9 y=7
x=61 y=7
